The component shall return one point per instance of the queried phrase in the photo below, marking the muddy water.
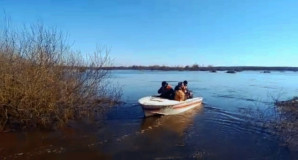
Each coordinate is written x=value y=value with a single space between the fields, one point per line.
x=215 y=130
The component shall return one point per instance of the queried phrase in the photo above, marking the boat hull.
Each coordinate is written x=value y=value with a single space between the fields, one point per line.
x=159 y=106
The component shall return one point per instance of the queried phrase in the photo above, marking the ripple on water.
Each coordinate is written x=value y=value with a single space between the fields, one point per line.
x=225 y=131
x=231 y=121
x=237 y=97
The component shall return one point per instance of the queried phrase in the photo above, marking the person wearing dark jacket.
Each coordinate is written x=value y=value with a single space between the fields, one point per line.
x=184 y=87
x=166 y=91
x=179 y=85
x=188 y=93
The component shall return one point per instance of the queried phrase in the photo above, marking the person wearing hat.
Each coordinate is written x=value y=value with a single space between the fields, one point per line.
x=166 y=91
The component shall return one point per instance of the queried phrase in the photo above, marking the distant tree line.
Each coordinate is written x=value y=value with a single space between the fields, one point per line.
x=196 y=67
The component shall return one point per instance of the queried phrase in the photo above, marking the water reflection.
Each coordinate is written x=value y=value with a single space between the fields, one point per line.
x=66 y=143
x=160 y=137
x=173 y=123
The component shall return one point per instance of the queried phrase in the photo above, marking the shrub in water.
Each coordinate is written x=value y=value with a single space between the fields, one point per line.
x=44 y=84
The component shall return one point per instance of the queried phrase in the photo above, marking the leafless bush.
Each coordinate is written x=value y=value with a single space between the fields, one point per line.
x=43 y=83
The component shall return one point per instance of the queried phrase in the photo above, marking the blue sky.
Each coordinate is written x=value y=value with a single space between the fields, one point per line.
x=173 y=32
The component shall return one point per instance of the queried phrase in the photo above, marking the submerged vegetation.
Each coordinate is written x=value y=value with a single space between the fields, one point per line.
x=41 y=81
x=287 y=125
x=281 y=120
x=231 y=71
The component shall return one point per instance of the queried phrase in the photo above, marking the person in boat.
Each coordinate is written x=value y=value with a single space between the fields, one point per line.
x=178 y=85
x=179 y=94
x=184 y=86
x=188 y=93
x=166 y=91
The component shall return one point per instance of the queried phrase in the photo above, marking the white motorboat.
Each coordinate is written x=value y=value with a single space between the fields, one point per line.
x=160 y=106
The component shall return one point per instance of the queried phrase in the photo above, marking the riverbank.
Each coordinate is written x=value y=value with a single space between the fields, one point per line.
x=291 y=105
x=287 y=125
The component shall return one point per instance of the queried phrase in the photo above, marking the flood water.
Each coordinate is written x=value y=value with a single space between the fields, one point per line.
x=215 y=130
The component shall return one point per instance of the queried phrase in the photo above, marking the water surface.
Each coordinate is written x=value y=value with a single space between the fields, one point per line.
x=215 y=130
